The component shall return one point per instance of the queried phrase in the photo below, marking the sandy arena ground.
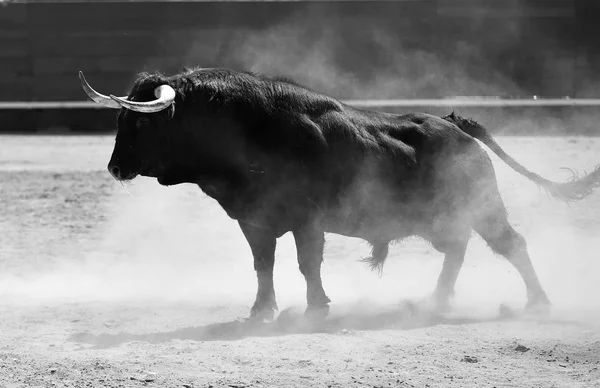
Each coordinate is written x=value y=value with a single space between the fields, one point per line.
x=110 y=285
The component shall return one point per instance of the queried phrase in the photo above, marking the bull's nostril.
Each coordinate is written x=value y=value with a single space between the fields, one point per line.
x=115 y=172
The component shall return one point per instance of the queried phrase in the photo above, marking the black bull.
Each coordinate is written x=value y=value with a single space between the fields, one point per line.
x=280 y=158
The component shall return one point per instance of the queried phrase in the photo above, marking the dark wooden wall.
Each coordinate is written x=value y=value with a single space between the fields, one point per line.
x=510 y=47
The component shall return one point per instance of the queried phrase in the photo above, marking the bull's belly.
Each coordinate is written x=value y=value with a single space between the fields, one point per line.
x=374 y=209
x=372 y=226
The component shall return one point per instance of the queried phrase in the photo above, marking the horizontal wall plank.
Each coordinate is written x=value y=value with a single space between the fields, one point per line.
x=358 y=39
x=68 y=87
x=44 y=15
x=13 y=11
x=14 y=66
x=20 y=32
x=15 y=88
x=13 y=40
x=120 y=31
x=110 y=64
x=17 y=121
x=93 y=47
x=70 y=65
x=14 y=48
x=77 y=120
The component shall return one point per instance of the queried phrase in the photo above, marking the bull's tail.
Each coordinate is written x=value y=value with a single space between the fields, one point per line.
x=379 y=253
x=577 y=188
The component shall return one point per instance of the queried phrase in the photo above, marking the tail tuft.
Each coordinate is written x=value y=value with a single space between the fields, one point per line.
x=577 y=187
x=376 y=261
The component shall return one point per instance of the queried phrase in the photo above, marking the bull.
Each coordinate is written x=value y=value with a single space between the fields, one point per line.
x=280 y=158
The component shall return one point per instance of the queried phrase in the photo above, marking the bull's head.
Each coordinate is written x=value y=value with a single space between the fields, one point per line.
x=142 y=127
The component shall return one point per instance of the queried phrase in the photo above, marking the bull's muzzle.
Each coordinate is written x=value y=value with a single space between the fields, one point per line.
x=115 y=171
x=120 y=173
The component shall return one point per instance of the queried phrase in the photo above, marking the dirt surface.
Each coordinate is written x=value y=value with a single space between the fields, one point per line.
x=110 y=285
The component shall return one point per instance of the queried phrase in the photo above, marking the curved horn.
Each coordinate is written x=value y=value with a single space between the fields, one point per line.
x=97 y=97
x=165 y=96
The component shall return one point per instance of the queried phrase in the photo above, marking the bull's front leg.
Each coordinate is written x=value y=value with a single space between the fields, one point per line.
x=262 y=243
x=310 y=242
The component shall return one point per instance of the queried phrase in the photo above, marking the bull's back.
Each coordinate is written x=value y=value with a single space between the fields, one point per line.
x=411 y=143
x=406 y=168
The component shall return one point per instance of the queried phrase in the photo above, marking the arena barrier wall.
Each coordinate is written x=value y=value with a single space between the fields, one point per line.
x=428 y=49
x=548 y=117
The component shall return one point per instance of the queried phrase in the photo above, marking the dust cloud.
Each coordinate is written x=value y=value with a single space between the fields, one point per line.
x=323 y=53
x=175 y=244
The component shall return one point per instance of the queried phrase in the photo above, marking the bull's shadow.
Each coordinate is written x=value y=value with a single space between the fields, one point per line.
x=292 y=321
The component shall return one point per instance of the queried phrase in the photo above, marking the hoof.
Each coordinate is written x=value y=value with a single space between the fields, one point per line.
x=505 y=312
x=538 y=304
x=262 y=315
x=317 y=312
x=438 y=304
x=539 y=309
x=442 y=306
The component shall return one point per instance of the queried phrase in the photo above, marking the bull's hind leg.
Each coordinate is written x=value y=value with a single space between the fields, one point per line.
x=262 y=244
x=452 y=239
x=310 y=242
x=495 y=229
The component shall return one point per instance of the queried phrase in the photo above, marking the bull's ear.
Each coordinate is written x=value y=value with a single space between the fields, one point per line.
x=171 y=111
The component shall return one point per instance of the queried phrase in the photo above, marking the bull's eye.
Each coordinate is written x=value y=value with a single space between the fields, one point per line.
x=142 y=122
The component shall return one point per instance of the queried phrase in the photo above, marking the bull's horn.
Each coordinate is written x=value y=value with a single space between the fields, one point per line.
x=165 y=95
x=97 y=97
